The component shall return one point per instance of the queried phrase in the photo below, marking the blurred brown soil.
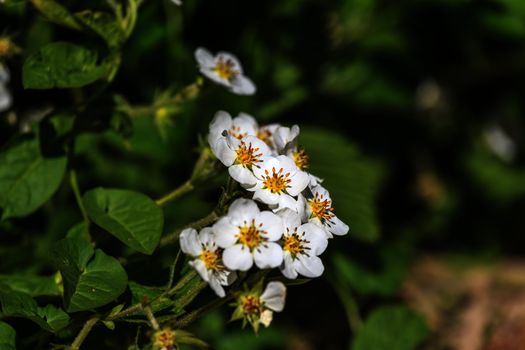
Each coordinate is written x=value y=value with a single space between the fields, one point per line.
x=474 y=307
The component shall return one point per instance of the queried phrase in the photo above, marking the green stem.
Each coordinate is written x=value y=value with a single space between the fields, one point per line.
x=351 y=308
x=84 y=333
x=192 y=316
x=205 y=221
x=178 y=192
x=126 y=312
x=78 y=196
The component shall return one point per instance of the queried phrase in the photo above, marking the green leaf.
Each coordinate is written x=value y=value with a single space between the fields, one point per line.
x=184 y=337
x=79 y=231
x=130 y=216
x=18 y=304
x=62 y=65
x=103 y=24
x=391 y=328
x=7 y=337
x=352 y=180
x=91 y=278
x=56 y=13
x=27 y=180
x=31 y=285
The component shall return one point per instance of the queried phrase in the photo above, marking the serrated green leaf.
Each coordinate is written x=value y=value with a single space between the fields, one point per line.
x=7 y=337
x=352 y=180
x=391 y=328
x=130 y=216
x=104 y=24
x=27 y=180
x=18 y=304
x=56 y=13
x=62 y=65
x=31 y=285
x=89 y=282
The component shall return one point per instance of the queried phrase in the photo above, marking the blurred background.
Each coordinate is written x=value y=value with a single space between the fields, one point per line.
x=410 y=110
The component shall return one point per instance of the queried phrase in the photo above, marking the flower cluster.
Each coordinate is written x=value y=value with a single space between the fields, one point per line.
x=287 y=218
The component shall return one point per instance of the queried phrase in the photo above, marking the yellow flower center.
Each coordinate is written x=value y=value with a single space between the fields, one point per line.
x=265 y=136
x=247 y=155
x=225 y=69
x=301 y=158
x=321 y=208
x=277 y=181
x=164 y=339
x=295 y=244
x=251 y=236
x=251 y=305
x=212 y=259
x=235 y=131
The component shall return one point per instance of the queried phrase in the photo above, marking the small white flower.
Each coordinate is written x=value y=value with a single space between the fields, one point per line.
x=318 y=209
x=274 y=296
x=278 y=181
x=302 y=244
x=224 y=69
x=241 y=156
x=286 y=138
x=177 y=2
x=208 y=262
x=241 y=126
x=249 y=235
x=5 y=95
x=266 y=134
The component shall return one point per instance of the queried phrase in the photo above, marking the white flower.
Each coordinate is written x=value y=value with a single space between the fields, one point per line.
x=5 y=95
x=177 y=2
x=224 y=69
x=241 y=156
x=266 y=134
x=286 y=138
x=302 y=244
x=274 y=296
x=318 y=210
x=208 y=262
x=249 y=235
x=222 y=124
x=278 y=181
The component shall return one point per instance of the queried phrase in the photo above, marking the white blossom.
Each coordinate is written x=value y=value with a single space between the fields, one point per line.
x=317 y=208
x=278 y=181
x=208 y=262
x=223 y=124
x=274 y=296
x=5 y=95
x=302 y=244
x=249 y=235
x=225 y=69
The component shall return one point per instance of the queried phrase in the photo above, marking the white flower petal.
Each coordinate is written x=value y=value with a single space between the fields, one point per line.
x=268 y=255
x=286 y=201
x=237 y=257
x=243 y=120
x=4 y=74
x=316 y=236
x=300 y=181
x=199 y=266
x=223 y=152
x=287 y=268
x=216 y=286
x=291 y=218
x=189 y=242
x=242 y=211
x=266 y=196
x=274 y=296
x=266 y=165
x=337 y=227
x=302 y=208
x=242 y=85
x=221 y=121
x=204 y=58
x=5 y=98
x=242 y=175
x=225 y=233
x=310 y=267
x=272 y=224
x=207 y=237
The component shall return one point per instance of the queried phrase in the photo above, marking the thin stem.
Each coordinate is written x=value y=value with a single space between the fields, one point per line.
x=352 y=310
x=151 y=318
x=84 y=333
x=192 y=316
x=78 y=196
x=178 y=192
x=205 y=221
x=188 y=277
x=126 y=312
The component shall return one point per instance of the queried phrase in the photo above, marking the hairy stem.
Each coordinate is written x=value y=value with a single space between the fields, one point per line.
x=84 y=333
x=205 y=221
x=178 y=192
x=78 y=196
